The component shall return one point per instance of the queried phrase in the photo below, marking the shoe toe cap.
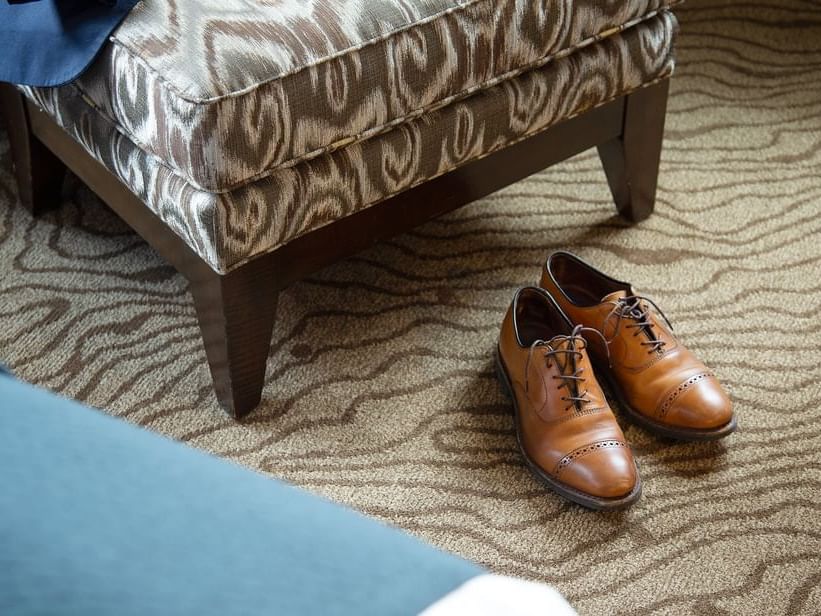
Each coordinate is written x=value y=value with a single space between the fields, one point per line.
x=704 y=406
x=606 y=471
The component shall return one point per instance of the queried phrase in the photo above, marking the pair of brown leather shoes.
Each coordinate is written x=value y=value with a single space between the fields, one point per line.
x=552 y=338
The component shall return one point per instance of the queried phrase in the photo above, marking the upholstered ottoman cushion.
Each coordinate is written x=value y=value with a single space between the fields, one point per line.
x=226 y=91
x=229 y=227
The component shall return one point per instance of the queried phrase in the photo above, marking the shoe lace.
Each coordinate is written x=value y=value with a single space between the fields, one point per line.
x=630 y=307
x=569 y=373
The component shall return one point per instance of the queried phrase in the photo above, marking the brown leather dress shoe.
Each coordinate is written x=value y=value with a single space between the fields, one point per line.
x=566 y=431
x=659 y=383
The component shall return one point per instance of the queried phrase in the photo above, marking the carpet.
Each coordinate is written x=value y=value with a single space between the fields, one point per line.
x=380 y=386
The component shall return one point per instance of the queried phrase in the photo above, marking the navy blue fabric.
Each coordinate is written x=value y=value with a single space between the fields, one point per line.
x=50 y=42
x=101 y=517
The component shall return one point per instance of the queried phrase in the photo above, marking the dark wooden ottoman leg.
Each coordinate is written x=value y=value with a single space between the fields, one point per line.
x=236 y=313
x=631 y=161
x=38 y=172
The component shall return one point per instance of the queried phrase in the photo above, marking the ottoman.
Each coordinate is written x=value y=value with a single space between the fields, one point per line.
x=251 y=143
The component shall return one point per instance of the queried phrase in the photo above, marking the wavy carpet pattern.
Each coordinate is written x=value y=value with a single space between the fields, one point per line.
x=381 y=392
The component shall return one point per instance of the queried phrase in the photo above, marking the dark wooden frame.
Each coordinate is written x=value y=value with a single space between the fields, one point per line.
x=236 y=310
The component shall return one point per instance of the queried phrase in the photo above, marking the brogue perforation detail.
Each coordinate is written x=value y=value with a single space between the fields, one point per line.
x=673 y=395
x=583 y=451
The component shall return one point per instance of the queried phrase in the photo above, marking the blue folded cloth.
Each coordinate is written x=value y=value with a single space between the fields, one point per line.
x=50 y=42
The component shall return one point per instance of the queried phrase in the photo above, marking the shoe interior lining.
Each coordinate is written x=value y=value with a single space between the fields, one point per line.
x=583 y=285
x=537 y=318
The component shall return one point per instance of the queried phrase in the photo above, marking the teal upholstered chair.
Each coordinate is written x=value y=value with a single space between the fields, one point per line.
x=101 y=517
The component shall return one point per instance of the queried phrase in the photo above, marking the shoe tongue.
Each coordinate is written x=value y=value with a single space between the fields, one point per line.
x=617 y=295
x=610 y=324
x=559 y=342
x=614 y=296
x=565 y=361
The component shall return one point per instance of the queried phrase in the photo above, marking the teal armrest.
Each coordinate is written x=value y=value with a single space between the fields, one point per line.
x=101 y=517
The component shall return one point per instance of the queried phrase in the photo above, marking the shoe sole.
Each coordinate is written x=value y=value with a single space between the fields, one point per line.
x=568 y=492
x=658 y=428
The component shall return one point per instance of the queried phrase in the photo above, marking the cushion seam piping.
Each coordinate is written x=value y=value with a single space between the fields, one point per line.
x=661 y=77
x=220 y=266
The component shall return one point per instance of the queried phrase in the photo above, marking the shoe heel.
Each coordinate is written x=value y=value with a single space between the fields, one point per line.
x=501 y=375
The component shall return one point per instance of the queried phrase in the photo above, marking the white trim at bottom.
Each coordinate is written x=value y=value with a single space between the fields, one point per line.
x=496 y=595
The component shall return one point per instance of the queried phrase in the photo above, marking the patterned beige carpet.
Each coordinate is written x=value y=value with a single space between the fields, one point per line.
x=380 y=388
